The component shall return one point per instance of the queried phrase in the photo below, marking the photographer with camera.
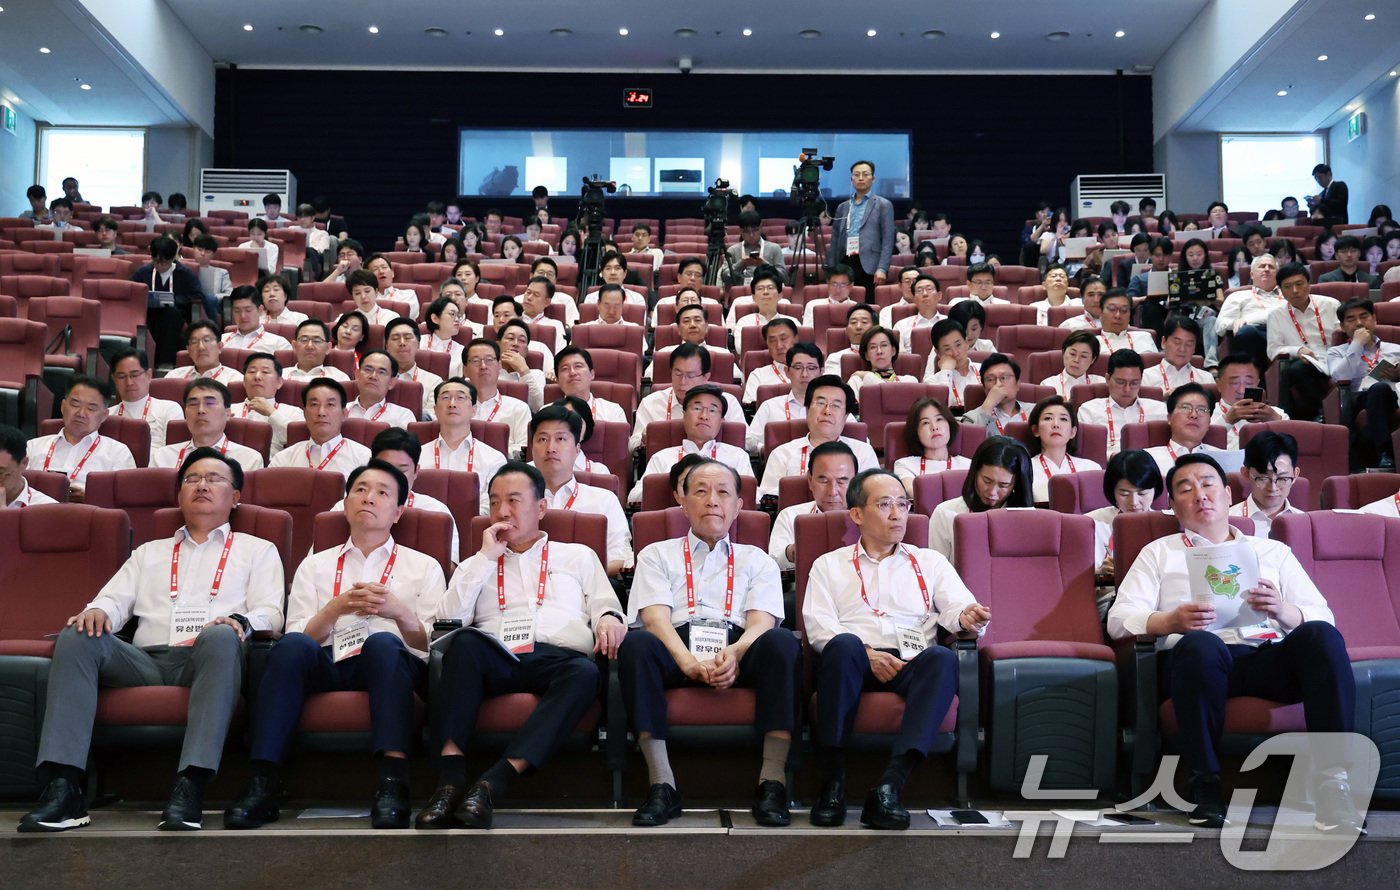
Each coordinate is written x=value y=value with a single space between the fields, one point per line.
x=862 y=232
x=751 y=251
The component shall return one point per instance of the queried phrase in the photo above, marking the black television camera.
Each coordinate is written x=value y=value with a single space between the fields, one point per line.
x=716 y=208
x=590 y=205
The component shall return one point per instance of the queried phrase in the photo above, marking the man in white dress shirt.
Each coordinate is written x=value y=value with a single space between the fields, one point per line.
x=78 y=449
x=402 y=450
x=981 y=286
x=1001 y=378
x=1189 y=409
x=693 y=326
x=830 y=468
x=767 y=293
x=611 y=299
x=1116 y=315
x=247 y=319
x=803 y=363
x=208 y=407
x=482 y=362
x=15 y=490
x=690 y=367
x=753 y=252
x=1180 y=336
x=778 y=335
x=926 y=312
x=859 y=319
x=702 y=416
x=548 y=602
x=1245 y=312
x=872 y=614
x=534 y=299
x=710 y=611
x=357 y=620
x=839 y=299
x=215 y=284
x=225 y=586
x=383 y=271
x=1056 y=283
x=262 y=380
x=574 y=369
x=612 y=269
x=1271 y=468
x=1284 y=647
x=323 y=404
x=1237 y=378
x=202 y=343
x=377 y=375
x=1354 y=363
x=830 y=403
x=1123 y=405
x=1091 y=294
x=401 y=342
x=362 y=287
x=1299 y=335
x=948 y=364
x=131 y=375
x=546 y=267
x=516 y=347
x=907 y=275
x=555 y=435
x=456 y=448
x=312 y=345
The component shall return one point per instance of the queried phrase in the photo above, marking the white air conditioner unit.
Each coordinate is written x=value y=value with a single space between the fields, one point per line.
x=244 y=190
x=1091 y=195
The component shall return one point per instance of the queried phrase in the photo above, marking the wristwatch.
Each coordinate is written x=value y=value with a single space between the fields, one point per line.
x=244 y=623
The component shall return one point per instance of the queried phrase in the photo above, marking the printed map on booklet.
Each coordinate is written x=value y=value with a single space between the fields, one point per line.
x=1221 y=575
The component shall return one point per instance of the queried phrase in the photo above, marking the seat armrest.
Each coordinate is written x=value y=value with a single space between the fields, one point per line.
x=1136 y=658
x=444 y=626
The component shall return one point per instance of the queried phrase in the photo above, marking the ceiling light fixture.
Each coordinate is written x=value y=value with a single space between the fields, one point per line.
x=1370 y=16
x=435 y=32
x=1352 y=107
x=1120 y=33
x=247 y=27
x=1322 y=58
x=309 y=29
x=748 y=32
x=809 y=34
x=499 y=32
x=996 y=35
x=374 y=29
x=1283 y=92
x=685 y=32
x=622 y=32
x=871 y=33
x=562 y=32
x=85 y=86
x=934 y=34
x=45 y=50
x=1057 y=35
x=1395 y=72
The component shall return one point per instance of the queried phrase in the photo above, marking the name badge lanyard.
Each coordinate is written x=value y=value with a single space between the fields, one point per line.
x=329 y=457
x=437 y=455
x=690 y=583
x=1108 y=410
x=222 y=446
x=501 y=580
x=218 y=572
x=79 y=468
x=383 y=579
x=918 y=573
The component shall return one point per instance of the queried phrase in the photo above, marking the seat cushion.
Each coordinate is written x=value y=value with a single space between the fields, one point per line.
x=1249 y=715
x=1356 y=653
x=1046 y=649
x=880 y=713
x=343 y=712
x=507 y=713
x=696 y=706
x=146 y=706
x=35 y=648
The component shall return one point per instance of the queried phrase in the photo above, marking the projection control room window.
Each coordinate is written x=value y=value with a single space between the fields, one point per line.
x=1257 y=171
x=108 y=162
x=670 y=163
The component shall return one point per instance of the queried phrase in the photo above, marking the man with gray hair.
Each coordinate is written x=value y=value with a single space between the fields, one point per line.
x=1245 y=312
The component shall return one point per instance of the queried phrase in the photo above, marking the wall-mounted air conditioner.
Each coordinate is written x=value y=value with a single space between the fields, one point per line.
x=244 y=190
x=1091 y=195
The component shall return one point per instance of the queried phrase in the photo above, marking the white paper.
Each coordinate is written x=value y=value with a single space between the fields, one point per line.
x=1220 y=575
x=441 y=642
x=334 y=813
x=1077 y=248
x=1317 y=363
x=995 y=819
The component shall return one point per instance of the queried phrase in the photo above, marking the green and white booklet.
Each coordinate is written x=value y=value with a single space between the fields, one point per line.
x=1221 y=575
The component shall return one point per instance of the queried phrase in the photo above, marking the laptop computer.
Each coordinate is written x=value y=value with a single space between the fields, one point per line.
x=1190 y=284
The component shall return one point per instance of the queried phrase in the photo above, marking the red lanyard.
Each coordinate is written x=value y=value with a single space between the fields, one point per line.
x=997 y=420
x=802 y=463
x=501 y=579
x=1107 y=345
x=222 y=446
x=434 y=340
x=923 y=462
x=1167 y=382
x=437 y=455
x=383 y=406
x=670 y=400
x=409 y=502
x=1372 y=362
x=329 y=457
x=1185 y=540
x=245 y=408
x=121 y=409
x=918 y=573
x=778 y=370
x=383 y=579
x=690 y=583
x=79 y=468
x=252 y=343
x=569 y=503
x=952 y=379
x=1108 y=410
x=1397 y=503
x=1172 y=451
x=496 y=410
x=1317 y=313
x=1064 y=386
x=714 y=451
x=1045 y=465
x=218 y=572
x=787 y=408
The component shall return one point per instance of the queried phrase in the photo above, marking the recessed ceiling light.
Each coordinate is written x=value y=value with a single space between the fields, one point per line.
x=85 y=86
x=1351 y=107
x=748 y=32
x=1119 y=33
x=809 y=34
x=933 y=35
x=622 y=32
x=1322 y=58
x=1283 y=92
x=45 y=50
x=1370 y=16
x=685 y=32
x=1393 y=73
x=562 y=32
x=1057 y=35
x=996 y=35
x=374 y=29
x=435 y=32
x=309 y=29
x=499 y=32
x=247 y=27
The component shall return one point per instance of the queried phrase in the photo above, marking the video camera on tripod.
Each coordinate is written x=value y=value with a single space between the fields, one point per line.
x=590 y=222
x=716 y=209
x=807 y=178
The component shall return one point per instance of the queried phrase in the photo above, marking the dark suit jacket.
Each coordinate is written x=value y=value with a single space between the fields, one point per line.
x=183 y=283
x=876 y=235
x=1333 y=202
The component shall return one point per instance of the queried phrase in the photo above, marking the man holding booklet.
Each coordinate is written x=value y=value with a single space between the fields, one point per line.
x=1236 y=615
x=1299 y=334
x=1363 y=362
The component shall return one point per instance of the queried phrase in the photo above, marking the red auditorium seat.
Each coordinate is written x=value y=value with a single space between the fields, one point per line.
x=1352 y=492
x=1322 y=449
x=22 y=400
x=459 y=490
x=130 y=431
x=301 y=491
x=497 y=435
x=967 y=437
x=140 y=492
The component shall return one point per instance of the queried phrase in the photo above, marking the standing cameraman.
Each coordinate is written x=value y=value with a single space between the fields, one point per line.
x=862 y=232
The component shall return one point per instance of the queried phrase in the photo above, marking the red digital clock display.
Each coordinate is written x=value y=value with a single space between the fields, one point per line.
x=636 y=98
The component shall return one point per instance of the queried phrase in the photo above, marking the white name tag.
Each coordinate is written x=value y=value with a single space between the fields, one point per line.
x=911 y=641
x=852 y=245
x=349 y=639
x=707 y=638
x=186 y=622
x=518 y=632
x=1261 y=632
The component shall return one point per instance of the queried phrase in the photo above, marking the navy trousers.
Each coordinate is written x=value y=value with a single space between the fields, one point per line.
x=927 y=683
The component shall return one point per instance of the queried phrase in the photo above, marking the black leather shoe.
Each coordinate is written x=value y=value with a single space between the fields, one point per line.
x=391 y=808
x=185 y=809
x=476 y=809
x=830 y=810
x=257 y=806
x=61 y=807
x=441 y=809
x=1210 y=802
x=883 y=811
x=663 y=804
x=770 y=805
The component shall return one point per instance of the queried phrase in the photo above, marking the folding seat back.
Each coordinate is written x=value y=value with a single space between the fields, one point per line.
x=301 y=491
x=1034 y=293
x=1087 y=392
x=291 y=245
x=608 y=446
x=243 y=263
x=620 y=394
x=974 y=394
x=1021 y=340
x=22 y=345
x=966 y=438
x=123 y=308
x=949 y=275
x=570 y=526
x=356 y=429
x=1353 y=492
x=322 y=292
x=73 y=326
x=27 y=263
x=631 y=313
x=1082 y=492
x=1322 y=449
x=1017 y=276
x=55 y=485
x=793 y=490
x=497 y=435
x=94 y=268
x=1341 y=290
x=1049 y=682
x=962 y=291
x=657 y=494
x=407 y=394
x=459 y=490
x=935 y=488
x=140 y=492
x=619 y=366
x=907 y=363
x=130 y=431
x=663 y=434
x=428 y=532
x=607 y=481
x=721 y=365
x=780 y=432
x=668 y=338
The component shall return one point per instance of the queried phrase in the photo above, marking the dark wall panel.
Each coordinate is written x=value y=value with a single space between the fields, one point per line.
x=985 y=148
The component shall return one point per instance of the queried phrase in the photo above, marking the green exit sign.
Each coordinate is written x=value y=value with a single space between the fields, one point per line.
x=9 y=118
x=1356 y=126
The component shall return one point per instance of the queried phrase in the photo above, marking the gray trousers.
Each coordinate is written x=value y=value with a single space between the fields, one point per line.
x=212 y=668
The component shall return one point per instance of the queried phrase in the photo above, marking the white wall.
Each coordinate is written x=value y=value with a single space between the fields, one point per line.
x=1191 y=162
x=1370 y=166
x=174 y=156
x=17 y=160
